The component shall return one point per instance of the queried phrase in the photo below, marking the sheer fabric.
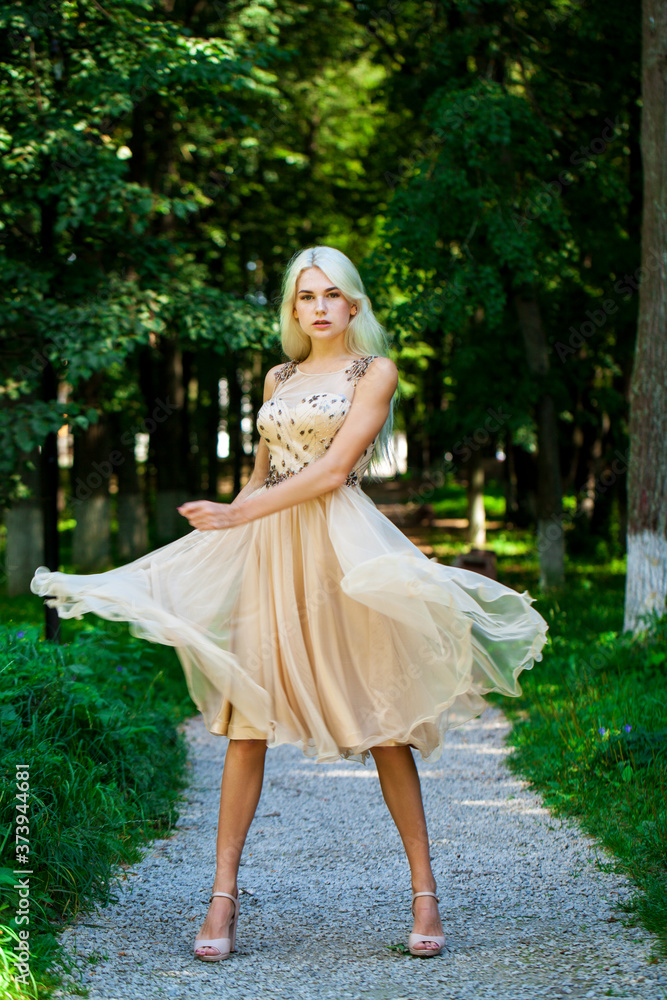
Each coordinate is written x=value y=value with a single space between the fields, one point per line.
x=321 y=625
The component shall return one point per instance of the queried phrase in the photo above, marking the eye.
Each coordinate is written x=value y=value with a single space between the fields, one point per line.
x=336 y=295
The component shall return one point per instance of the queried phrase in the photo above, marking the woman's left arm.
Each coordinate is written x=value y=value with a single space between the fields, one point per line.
x=364 y=421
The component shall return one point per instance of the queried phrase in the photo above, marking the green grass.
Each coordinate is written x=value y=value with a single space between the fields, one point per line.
x=95 y=719
x=590 y=732
x=590 y=728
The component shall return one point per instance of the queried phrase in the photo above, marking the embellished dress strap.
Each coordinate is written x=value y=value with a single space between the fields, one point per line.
x=285 y=371
x=359 y=368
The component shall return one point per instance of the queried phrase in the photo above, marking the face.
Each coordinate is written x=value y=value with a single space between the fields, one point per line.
x=320 y=308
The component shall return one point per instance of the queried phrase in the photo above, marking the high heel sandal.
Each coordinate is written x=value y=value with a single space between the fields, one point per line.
x=224 y=946
x=414 y=938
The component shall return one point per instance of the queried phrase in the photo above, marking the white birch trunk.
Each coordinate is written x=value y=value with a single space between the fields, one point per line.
x=646 y=582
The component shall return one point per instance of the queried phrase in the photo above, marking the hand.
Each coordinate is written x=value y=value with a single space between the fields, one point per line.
x=205 y=515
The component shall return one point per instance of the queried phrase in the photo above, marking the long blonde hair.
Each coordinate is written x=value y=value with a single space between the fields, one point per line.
x=364 y=333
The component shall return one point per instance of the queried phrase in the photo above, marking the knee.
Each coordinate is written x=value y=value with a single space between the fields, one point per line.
x=248 y=748
x=382 y=754
x=392 y=757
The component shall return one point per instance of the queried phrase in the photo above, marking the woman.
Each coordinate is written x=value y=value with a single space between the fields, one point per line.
x=301 y=614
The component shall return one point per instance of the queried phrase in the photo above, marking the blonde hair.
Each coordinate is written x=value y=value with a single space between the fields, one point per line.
x=364 y=333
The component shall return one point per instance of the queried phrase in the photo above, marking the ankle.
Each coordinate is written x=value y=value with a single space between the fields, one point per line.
x=424 y=884
x=226 y=873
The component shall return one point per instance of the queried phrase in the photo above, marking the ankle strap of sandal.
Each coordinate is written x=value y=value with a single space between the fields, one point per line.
x=415 y=894
x=234 y=899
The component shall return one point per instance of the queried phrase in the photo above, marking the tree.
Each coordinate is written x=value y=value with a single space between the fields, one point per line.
x=646 y=581
x=512 y=214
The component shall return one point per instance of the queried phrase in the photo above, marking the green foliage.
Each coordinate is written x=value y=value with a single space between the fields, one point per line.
x=515 y=172
x=94 y=721
x=150 y=154
x=98 y=257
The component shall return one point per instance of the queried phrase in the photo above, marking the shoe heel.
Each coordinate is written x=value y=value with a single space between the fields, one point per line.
x=232 y=931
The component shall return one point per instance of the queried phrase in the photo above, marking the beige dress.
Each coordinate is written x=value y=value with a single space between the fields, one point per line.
x=320 y=625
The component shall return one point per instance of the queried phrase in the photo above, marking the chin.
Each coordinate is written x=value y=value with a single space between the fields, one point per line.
x=329 y=331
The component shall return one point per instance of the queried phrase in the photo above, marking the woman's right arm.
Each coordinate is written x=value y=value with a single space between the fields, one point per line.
x=261 y=468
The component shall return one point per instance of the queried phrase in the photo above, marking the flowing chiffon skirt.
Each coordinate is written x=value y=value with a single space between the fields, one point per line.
x=321 y=625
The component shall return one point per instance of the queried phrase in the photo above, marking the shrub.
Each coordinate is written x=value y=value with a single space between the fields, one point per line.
x=95 y=722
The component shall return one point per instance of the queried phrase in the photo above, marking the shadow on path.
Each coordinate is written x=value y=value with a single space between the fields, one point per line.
x=526 y=911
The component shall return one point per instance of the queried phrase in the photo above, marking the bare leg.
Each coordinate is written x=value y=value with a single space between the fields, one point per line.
x=401 y=789
x=241 y=787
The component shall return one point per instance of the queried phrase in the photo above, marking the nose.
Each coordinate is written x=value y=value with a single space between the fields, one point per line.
x=321 y=305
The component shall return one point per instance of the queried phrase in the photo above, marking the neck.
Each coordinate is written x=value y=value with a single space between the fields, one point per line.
x=326 y=353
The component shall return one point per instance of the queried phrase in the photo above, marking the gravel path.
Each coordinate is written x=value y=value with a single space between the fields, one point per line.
x=526 y=911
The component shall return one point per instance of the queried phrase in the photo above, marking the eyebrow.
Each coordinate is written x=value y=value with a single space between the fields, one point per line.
x=334 y=288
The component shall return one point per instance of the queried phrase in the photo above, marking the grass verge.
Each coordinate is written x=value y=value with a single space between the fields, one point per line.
x=93 y=766
x=590 y=733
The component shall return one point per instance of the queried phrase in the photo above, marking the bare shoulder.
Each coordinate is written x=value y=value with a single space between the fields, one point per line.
x=381 y=375
x=384 y=365
x=271 y=374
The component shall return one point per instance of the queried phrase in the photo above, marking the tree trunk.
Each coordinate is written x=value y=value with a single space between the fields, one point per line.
x=190 y=458
x=414 y=432
x=169 y=437
x=509 y=469
x=550 y=539
x=646 y=582
x=256 y=397
x=524 y=470
x=234 y=421
x=25 y=531
x=208 y=419
x=476 y=514
x=91 y=472
x=432 y=384
x=132 y=540
x=49 y=469
x=622 y=498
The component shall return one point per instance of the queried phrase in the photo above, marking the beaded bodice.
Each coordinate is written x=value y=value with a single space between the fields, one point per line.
x=302 y=417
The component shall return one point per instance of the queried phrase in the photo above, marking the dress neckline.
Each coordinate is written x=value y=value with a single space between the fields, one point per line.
x=336 y=372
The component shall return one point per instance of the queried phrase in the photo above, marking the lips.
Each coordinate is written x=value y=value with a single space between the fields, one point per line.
x=321 y=324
